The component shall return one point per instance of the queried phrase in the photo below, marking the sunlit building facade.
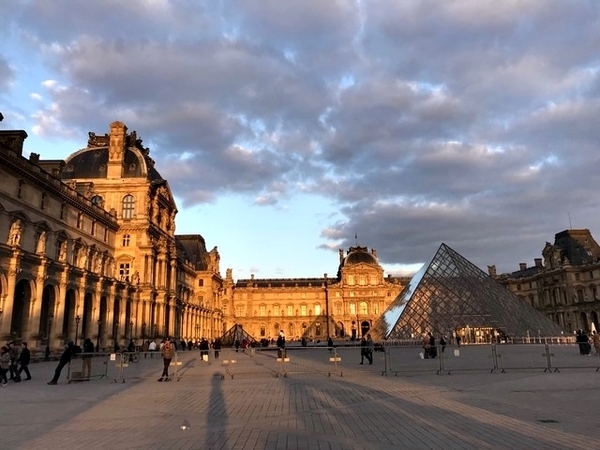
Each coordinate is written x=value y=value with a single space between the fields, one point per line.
x=344 y=306
x=88 y=249
x=565 y=283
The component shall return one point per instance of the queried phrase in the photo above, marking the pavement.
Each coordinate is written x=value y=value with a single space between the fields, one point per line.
x=307 y=402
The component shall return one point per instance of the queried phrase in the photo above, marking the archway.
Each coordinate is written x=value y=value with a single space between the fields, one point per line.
x=68 y=327
x=47 y=313
x=20 y=313
x=339 y=330
x=115 y=324
x=365 y=326
x=86 y=319
x=585 y=326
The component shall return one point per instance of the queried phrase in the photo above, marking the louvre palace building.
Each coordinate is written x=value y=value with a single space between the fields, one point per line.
x=88 y=249
x=344 y=307
x=565 y=283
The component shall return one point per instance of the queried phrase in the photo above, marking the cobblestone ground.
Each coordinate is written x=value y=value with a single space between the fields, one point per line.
x=307 y=403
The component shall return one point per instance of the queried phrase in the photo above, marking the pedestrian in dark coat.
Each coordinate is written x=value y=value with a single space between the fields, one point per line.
x=65 y=359
x=23 y=360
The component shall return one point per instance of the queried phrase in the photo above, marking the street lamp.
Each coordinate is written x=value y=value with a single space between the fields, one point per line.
x=77 y=320
x=131 y=330
x=144 y=331
x=98 y=338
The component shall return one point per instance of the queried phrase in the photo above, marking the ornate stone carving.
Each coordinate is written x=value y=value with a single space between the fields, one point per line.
x=98 y=141
x=40 y=247
x=14 y=235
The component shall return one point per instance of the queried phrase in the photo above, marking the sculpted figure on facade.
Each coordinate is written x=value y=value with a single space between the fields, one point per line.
x=215 y=258
x=14 y=235
x=62 y=251
x=40 y=247
x=98 y=264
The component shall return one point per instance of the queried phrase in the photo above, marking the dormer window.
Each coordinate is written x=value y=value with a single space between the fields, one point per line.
x=128 y=207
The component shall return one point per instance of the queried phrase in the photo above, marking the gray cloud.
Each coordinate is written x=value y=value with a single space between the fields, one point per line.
x=471 y=122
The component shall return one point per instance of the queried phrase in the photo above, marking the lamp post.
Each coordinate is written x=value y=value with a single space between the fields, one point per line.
x=144 y=331
x=131 y=330
x=77 y=320
x=48 y=334
x=98 y=338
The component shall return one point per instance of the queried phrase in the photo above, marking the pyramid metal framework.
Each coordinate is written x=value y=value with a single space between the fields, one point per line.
x=236 y=333
x=451 y=296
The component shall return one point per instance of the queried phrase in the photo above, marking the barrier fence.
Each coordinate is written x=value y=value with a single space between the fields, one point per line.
x=339 y=361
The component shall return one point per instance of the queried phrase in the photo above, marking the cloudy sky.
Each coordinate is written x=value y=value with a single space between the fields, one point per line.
x=286 y=128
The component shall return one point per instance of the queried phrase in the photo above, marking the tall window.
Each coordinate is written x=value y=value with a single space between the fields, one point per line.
x=93 y=231
x=352 y=308
x=303 y=310
x=276 y=310
x=126 y=239
x=124 y=271
x=262 y=310
x=79 y=220
x=290 y=310
x=364 y=309
x=317 y=309
x=239 y=311
x=350 y=279
x=128 y=206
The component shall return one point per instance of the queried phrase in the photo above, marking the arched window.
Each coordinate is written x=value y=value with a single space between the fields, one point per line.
x=364 y=309
x=128 y=206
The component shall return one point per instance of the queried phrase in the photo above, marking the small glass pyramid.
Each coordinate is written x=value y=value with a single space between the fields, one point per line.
x=451 y=296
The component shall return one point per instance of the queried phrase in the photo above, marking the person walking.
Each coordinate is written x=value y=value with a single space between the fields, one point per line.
x=168 y=352
x=152 y=348
x=330 y=344
x=596 y=342
x=281 y=345
x=23 y=360
x=370 y=349
x=217 y=347
x=363 y=349
x=4 y=364
x=65 y=359
x=86 y=359
x=13 y=353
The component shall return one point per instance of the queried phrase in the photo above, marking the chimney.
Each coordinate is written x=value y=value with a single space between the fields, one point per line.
x=116 y=149
x=12 y=140
x=522 y=266
x=538 y=262
x=252 y=276
x=492 y=271
x=374 y=252
x=341 y=252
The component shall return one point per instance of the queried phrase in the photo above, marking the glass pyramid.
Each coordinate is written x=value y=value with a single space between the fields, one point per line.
x=236 y=333
x=451 y=296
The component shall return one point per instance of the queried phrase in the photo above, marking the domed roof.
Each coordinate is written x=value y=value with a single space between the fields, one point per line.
x=358 y=257
x=93 y=161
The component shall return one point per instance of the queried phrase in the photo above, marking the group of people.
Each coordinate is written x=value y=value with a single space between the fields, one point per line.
x=14 y=362
x=583 y=341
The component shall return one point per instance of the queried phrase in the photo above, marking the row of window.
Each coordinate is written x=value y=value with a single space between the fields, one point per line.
x=363 y=309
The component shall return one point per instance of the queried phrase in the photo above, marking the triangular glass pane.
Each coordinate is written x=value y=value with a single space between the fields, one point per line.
x=452 y=296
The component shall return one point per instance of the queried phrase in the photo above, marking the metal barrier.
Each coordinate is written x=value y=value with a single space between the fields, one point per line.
x=342 y=361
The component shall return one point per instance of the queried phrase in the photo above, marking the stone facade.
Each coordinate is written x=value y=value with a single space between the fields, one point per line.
x=344 y=307
x=564 y=284
x=88 y=249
